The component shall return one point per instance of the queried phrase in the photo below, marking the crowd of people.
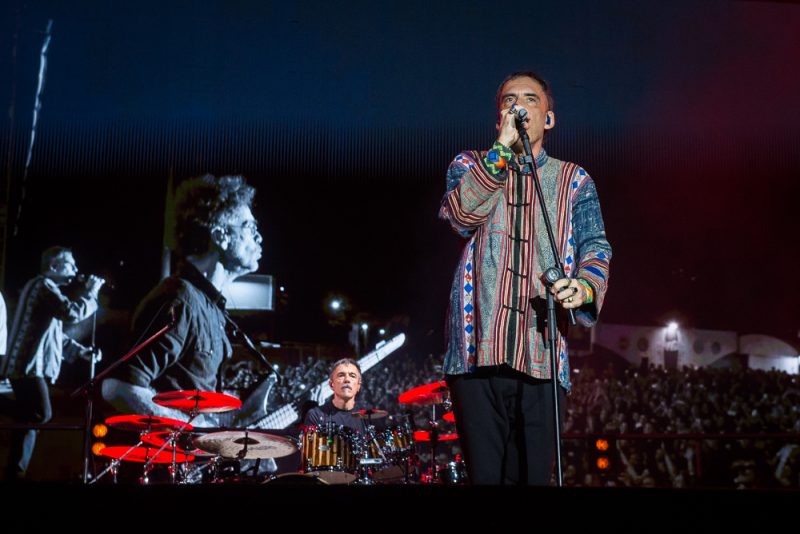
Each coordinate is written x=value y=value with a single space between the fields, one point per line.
x=710 y=427
x=734 y=427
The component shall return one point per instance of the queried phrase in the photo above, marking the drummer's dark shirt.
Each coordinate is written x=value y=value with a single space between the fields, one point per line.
x=328 y=413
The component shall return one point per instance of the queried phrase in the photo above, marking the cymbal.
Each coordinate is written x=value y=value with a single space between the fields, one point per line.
x=139 y=423
x=424 y=435
x=245 y=444
x=202 y=401
x=449 y=416
x=185 y=443
x=143 y=454
x=434 y=393
x=369 y=414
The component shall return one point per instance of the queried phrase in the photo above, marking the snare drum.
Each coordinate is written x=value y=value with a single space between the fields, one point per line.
x=328 y=452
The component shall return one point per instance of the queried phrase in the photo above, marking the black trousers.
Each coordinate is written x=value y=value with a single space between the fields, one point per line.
x=32 y=405
x=505 y=425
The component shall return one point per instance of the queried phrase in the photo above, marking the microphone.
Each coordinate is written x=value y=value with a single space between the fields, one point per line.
x=83 y=278
x=520 y=115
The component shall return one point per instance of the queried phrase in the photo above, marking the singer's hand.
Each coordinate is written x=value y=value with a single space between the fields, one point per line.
x=92 y=354
x=569 y=292
x=94 y=283
x=507 y=128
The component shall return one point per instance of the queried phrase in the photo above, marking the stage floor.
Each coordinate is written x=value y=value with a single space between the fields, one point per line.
x=406 y=508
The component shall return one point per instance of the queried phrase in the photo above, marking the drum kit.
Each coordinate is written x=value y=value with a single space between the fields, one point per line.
x=169 y=441
x=337 y=455
x=329 y=453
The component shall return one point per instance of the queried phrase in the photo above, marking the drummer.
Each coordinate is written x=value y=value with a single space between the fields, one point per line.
x=345 y=381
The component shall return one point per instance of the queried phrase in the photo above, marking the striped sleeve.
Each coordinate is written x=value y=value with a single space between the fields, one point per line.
x=592 y=249
x=474 y=185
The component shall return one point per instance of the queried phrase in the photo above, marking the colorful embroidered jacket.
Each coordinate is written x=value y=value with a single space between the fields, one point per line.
x=497 y=301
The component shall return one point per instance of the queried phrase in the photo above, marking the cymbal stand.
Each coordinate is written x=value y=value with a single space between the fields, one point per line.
x=173 y=466
x=88 y=390
x=113 y=467
x=434 y=434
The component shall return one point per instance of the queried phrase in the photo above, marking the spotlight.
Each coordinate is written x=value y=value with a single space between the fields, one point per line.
x=672 y=327
x=99 y=430
x=97 y=447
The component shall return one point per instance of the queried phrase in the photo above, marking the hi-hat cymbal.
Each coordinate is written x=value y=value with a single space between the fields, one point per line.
x=141 y=423
x=434 y=393
x=369 y=414
x=424 y=435
x=143 y=454
x=245 y=444
x=199 y=401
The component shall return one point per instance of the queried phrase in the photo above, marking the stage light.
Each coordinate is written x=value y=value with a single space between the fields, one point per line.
x=364 y=327
x=672 y=327
x=382 y=331
x=600 y=451
x=99 y=430
x=97 y=447
x=336 y=305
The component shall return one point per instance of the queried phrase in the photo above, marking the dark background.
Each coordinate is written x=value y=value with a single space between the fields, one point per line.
x=345 y=118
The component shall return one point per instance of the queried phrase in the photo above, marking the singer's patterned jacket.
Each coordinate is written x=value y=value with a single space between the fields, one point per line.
x=491 y=319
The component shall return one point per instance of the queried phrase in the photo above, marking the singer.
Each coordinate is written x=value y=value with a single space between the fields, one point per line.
x=496 y=359
x=37 y=345
x=217 y=241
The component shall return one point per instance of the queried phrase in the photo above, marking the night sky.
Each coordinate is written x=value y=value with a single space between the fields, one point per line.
x=346 y=117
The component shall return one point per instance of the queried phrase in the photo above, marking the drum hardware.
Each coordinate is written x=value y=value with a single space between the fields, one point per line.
x=433 y=394
x=192 y=402
x=452 y=472
x=140 y=454
x=144 y=424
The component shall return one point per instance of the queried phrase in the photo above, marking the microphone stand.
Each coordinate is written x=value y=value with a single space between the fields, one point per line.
x=87 y=431
x=527 y=164
x=88 y=390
